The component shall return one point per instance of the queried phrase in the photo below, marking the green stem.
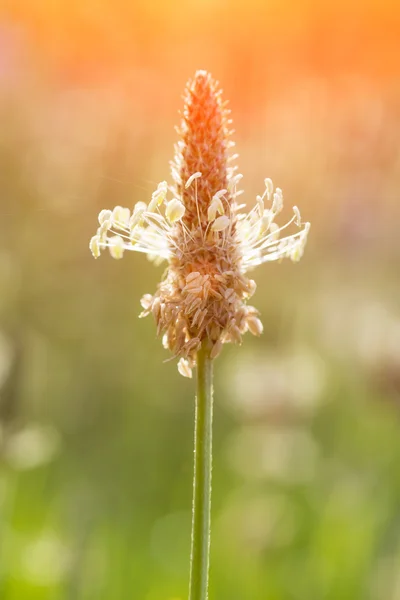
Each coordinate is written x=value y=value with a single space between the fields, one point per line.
x=200 y=552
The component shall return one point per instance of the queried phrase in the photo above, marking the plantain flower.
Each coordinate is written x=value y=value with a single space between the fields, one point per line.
x=208 y=239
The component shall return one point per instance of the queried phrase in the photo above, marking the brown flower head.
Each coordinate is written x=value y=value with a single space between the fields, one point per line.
x=202 y=232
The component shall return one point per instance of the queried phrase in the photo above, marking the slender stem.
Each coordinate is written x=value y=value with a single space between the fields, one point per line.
x=200 y=552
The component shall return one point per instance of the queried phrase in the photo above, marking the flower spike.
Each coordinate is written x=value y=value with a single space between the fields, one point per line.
x=201 y=231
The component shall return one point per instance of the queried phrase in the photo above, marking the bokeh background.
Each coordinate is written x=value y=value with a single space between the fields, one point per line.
x=95 y=428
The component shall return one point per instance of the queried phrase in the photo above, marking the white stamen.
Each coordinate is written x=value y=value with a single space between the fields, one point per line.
x=269 y=187
x=175 y=210
x=94 y=246
x=215 y=206
x=234 y=181
x=219 y=194
x=192 y=178
x=220 y=223
x=137 y=216
x=297 y=215
x=120 y=217
x=277 y=203
x=158 y=196
x=104 y=215
x=116 y=245
x=102 y=230
x=274 y=229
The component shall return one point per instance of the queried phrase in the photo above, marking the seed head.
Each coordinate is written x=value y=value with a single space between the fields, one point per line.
x=201 y=231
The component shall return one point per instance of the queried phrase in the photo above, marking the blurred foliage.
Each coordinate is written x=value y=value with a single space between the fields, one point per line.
x=96 y=429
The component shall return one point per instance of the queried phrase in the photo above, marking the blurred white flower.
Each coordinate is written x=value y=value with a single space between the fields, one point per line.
x=257 y=452
x=353 y=324
x=32 y=447
x=275 y=381
x=46 y=559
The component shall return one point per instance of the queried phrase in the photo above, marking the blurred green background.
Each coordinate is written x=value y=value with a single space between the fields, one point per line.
x=96 y=429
